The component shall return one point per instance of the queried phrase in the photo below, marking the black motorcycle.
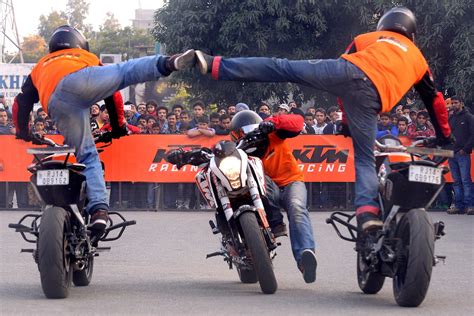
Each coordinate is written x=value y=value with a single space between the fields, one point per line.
x=65 y=249
x=410 y=179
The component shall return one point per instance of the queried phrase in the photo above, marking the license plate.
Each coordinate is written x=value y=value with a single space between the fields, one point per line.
x=425 y=174
x=52 y=177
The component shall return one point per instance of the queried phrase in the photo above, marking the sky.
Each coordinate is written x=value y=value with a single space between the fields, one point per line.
x=27 y=12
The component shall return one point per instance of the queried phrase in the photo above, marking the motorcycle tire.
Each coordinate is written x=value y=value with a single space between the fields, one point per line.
x=83 y=277
x=261 y=259
x=53 y=262
x=247 y=276
x=370 y=282
x=415 y=262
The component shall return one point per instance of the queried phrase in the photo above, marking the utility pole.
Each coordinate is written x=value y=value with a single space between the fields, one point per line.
x=8 y=31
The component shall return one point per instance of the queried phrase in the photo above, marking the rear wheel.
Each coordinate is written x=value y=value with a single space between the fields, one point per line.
x=83 y=277
x=247 y=276
x=261 y=259
x=415 y=258
x=53 y=260
x=370 y=282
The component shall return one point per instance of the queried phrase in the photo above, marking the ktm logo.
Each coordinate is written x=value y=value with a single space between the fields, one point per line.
x=161 y=153
x=320 y=153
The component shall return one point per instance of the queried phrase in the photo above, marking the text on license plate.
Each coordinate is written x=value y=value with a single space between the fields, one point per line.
x=52 y=177
x=425 y=174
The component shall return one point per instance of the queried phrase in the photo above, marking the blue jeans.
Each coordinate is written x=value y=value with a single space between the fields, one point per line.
x=460 y=167
x=338 y=77
x=69 y=109
x=292 y=198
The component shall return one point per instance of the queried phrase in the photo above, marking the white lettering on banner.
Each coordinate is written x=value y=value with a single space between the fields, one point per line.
x=313 y=167
x=12 y=77
x=165 y=167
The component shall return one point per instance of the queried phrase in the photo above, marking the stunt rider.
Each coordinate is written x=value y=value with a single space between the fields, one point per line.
x=284 y=181
x=375 y=72
x=67 y=82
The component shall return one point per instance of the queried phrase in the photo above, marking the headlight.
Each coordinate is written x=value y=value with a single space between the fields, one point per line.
x=230 y=167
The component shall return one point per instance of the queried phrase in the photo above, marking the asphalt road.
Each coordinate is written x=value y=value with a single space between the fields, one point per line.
x=159 y=268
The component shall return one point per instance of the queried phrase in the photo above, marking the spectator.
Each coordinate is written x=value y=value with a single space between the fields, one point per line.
x=385 y=126
x=214 y=120
x=413 y=113
x=292 y=104
x=130 y=116
x=155 y=128
x=5 y=127
x=406 y=112
x=297 y=111
x=394 y=119
x=3 y=104
x=183 y=127
x=202 y=128
x=402 y=126
x=150 y=121
x=184 y=118
x=263 y=109
x=320 y=117
x=224 y=125
x=312 y=110
x=162 y=113
x=419 y=127
x=151 y=108
x=177 y=109
x=142 y=124
x=141 y=108
x=283 y=109
x=399 y=110
x=41 y=113
x=38 y=126
x=335 y=116
x=221 y=111
x=308 y=124
x=199 y=108
x=462 y=125
x=240 y=107
x=94 y=111
x=231 y=110
x=172 y=124
x=100 y=120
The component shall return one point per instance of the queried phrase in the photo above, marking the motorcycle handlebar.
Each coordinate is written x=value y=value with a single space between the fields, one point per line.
x=422 y=147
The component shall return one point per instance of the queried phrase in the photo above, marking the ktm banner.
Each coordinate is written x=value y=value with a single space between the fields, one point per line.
x=141 y=158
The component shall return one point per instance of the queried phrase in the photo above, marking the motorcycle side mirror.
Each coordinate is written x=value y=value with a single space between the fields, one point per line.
x=224 y=148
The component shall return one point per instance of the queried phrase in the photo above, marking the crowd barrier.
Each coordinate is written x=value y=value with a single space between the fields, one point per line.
x=138 y=177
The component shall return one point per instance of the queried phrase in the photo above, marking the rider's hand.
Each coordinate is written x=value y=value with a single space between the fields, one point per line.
x=445 y=142
x=204 y=62
x=266 y=127
x=121 y=131
x=175 y=157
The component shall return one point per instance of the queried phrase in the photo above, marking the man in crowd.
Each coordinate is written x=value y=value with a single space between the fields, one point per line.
x=283 y=109
x=308 y=124
x=376 y=71
x=420 y=127
x=402 y=126
x=224 y=125
x=202 y=128
x=320 y=118
x=162 y=113
x=385 y=127
x=462 y=125
x=199 y=108
x=5 y=128
x=335 y=116
x=172 y=124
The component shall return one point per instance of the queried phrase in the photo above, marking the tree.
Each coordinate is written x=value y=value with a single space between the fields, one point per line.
x=304 y=30
x=33 y=47
x=50 y=22
x=77 y=11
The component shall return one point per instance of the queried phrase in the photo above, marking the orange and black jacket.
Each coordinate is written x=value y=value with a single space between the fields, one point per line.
x=42 y=82
x=394 y=64
x=278 y=160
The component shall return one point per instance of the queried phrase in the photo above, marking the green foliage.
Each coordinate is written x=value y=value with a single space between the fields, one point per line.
x=50 y=22
x=300 y=29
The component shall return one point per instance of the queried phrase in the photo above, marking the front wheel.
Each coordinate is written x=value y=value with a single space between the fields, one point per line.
x=415 y=258
x=53 y=261
x=260 y=258
x=370 y=282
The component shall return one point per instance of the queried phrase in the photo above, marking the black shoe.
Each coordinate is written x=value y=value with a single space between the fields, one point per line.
x=204 y=62
x=99 y=221
x=368 y=221
x=308 y=265
x=279 y=230
x=181 y=61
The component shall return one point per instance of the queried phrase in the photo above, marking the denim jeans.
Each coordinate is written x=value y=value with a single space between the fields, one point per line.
x=292 y=198
x=69 y=109
x=338 y=77
x=460 y=167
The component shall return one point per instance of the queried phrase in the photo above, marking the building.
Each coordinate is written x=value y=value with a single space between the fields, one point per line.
x=143 y=18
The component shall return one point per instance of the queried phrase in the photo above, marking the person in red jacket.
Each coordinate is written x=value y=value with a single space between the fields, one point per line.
x=376 y=71
x=284 y=181
x=67 y=82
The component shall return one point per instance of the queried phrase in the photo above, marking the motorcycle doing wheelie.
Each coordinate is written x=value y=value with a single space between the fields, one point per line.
x=65 y=249
x=409 y=181
x=233 y=183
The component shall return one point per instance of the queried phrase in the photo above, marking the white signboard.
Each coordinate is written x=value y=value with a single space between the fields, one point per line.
x=12 y=77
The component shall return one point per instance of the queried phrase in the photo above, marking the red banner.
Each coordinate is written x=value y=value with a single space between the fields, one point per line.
x=140 y=158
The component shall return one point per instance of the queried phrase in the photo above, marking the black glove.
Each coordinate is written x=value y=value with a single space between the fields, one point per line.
x=120 y=131
x=176 y=157
x=266 y=127
x=204 y=62
x=445 y=142
x=343 y=129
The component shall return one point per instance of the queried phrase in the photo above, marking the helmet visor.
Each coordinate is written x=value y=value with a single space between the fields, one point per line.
x=237 y=135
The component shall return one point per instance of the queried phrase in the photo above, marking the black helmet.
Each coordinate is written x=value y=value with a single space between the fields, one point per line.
x=242 y=123
x=65 y=37
x=399 y=20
